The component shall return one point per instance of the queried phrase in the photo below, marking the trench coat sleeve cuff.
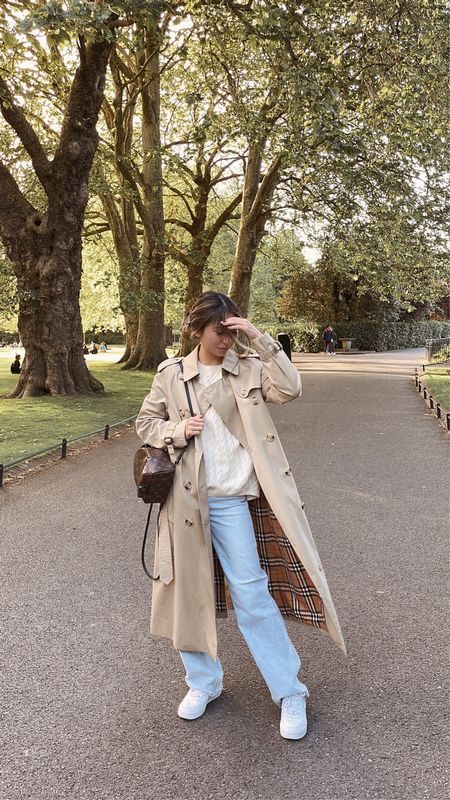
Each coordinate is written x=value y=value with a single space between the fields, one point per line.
x=266 y=347
x=179 y=439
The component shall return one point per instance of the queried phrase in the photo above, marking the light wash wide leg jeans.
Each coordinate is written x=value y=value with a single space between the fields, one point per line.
x=258 y=616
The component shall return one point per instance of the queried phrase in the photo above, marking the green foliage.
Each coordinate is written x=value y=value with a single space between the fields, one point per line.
x=8 y=335
x=379 y=268
x=99 y=334
x=392 y=255
x=391 y=335
x=307 y=336
x=218 y=268
x=99 y=298
x=277 y=264
x=68 y=18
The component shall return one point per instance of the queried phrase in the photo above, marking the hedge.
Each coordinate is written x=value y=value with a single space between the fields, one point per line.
x=7 y=337
x=306 y=337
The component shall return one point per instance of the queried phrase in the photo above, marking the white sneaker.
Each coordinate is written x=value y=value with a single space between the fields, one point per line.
x=194 y=703
x=293 y=723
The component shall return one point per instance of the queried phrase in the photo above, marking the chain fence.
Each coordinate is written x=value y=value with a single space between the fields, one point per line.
x=61 y=445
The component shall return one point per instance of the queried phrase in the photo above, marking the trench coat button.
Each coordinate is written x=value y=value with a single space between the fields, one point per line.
x=188 y=485
x=287 y=471
x=244 y=392
x=270 y=437
x=188 y=522
x=255 y=401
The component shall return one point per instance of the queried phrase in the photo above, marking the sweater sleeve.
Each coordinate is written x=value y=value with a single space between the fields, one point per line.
x=153 y=424
x=280 y=380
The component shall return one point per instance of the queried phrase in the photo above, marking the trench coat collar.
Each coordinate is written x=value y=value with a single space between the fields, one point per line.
x=190 y=364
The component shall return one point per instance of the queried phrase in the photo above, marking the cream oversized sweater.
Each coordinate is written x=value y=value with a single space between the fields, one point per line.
x=228 y=467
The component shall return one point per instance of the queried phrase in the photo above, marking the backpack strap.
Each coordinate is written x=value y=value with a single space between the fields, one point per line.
x=177 y=460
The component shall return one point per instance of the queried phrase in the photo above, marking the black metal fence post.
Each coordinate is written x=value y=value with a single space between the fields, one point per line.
x=438 y=410
x=448 y=421
x=425 y=393
x=431 y=401
x=4 y=468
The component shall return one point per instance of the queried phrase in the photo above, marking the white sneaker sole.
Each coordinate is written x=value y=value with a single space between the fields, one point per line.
x=195 y=714
x=291 y=733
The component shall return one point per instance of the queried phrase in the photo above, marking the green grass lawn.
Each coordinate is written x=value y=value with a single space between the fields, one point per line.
x=437 y=381
x=37 y=422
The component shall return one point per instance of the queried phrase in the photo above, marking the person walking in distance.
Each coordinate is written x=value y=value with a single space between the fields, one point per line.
x=233 y=517
x=329 y=338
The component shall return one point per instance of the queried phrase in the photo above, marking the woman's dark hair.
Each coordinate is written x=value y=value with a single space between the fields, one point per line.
x=210 y=307
x=216 y=307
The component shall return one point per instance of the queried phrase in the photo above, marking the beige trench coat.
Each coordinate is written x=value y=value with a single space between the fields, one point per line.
x=184 y=605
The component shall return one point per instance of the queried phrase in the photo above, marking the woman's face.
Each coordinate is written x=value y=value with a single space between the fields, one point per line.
x=215 y=340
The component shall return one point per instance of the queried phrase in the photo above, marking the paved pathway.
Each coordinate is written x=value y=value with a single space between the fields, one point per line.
x=89 y=699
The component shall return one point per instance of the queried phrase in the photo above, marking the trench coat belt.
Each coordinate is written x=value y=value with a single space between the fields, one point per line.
x=165 y=548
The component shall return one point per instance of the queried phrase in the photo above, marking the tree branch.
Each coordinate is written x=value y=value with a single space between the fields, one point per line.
x=14 y=207
x=180 y=194
x=96 y=230
x=177 y=254
x=79 y=136
x=15 y=117
x=266 y=187
x=226 y=214
x=180 y=223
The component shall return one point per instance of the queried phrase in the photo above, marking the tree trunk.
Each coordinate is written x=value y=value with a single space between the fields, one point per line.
x=131 y=329
x=123 y=229
x=194 y=289
x=50 y=327
x=195 y=258
x=45 y=248
x=251 y=233
x=149 y=349
x=257 y=198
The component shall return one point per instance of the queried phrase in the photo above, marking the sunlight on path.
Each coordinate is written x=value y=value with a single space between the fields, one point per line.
x=394 y=362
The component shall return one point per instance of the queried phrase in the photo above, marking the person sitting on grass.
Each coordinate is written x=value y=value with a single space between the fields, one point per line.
x=15 y=366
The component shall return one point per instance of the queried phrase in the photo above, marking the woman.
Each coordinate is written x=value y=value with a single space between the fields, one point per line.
x=16 y=367
x=233 y=519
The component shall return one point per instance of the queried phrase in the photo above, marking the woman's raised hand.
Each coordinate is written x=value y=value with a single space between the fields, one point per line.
x=242 y=324
x=194 y=426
